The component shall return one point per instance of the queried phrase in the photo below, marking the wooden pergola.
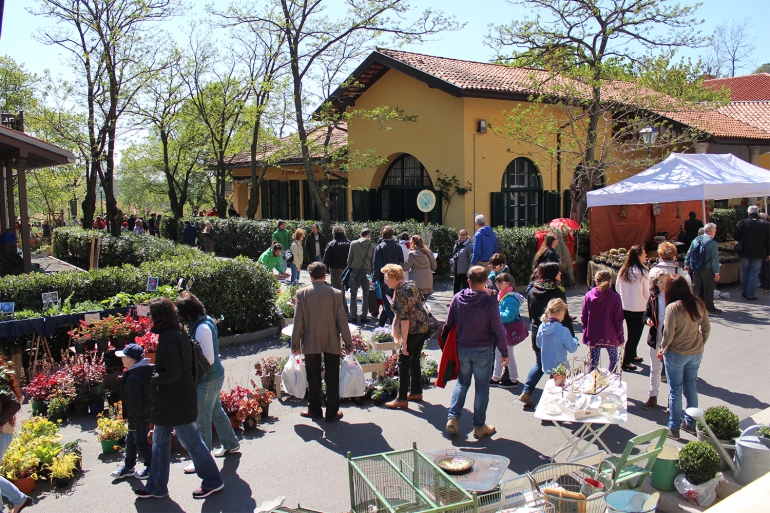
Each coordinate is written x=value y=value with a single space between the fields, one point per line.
x=21 y=152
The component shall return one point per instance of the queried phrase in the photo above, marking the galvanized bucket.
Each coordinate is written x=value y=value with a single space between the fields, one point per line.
x=752 y=457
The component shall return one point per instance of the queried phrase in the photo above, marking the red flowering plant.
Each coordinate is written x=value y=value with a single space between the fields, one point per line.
x=64 y=385
x=87 y=372
x=359 y=344
x=149 y=341
x=40 y=388
x=267 y=368
x=240 y=404
x=391 y=366
x=263 y=396
x=82 y=334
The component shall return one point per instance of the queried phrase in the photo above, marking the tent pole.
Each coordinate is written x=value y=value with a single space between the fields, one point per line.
x=703 y=205
x=765 y=204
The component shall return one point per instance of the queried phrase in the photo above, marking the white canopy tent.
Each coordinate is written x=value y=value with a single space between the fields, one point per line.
x=686 y=177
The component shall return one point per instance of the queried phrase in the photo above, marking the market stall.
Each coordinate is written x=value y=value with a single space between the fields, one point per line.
x=656 y=200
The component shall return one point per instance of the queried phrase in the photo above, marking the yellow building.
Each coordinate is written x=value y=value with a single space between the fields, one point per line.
x=454 y=102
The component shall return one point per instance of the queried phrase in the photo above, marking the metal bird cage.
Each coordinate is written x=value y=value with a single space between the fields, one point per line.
x=404 y=482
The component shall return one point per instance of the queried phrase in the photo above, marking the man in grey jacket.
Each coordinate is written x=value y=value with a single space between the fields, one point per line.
x=704 y=280
x=461 y=260
x=360 y=260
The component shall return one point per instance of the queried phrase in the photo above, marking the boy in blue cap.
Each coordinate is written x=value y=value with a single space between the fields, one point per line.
x=136 y=390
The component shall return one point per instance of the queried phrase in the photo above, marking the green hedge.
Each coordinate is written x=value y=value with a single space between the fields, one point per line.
x=73 y=245
x=239 y=291
x=519 y=247
x=726 y=220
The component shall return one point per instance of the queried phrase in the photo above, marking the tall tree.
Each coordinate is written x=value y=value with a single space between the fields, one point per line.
x=590 y=42
x=111 y=45
x=17 y=86
x=731 y=48
x=219 y=90
x=318 y=47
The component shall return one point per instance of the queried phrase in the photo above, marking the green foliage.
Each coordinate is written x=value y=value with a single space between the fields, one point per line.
x=726 y=219
x=764 y=68
x=699 y=462
x=723 y=423
x=284 y=301
x=519 y=247
x=373 y=356
x=74 y=245
x=764 y=432
x=238 y=291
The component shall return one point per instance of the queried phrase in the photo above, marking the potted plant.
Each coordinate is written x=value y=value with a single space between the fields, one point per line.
x=699 y=462
x=558 y=375
x=149 y=341
x=38 y=391
x=249 y=413
x=379 y=396
x=73 y=447
x=264 y=398
x=428 y=368
x=231 y=403
x=36 y=445
x=724 y=424
x=111 y=429
x=371 y=360
x=63 y=468
x=57 y=408
x=381 y=335
x=284 y=302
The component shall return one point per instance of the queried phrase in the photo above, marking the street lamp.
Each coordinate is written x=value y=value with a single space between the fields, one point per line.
x=648 y=135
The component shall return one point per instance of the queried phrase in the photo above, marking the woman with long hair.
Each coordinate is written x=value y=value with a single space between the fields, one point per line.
x=546 y=285
x=10 y=404
x=685 y=333
x=547 y=252
x=208 y=237
x=297 y=251
x=634 y=289
x=420 y=265
x=602 y=321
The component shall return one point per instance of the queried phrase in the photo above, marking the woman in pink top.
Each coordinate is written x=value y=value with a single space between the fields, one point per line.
x=634 y=288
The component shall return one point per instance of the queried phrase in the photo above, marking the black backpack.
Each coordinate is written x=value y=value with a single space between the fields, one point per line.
x=201 y=365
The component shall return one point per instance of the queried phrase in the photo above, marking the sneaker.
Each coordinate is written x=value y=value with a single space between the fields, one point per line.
x=142 y=493
x=688 y=428
x=485 y=430
x=122 y=472
x=507 y=383
x=222 y=452
x=144 y=474
x=526 y=399
x=202 y=493
x=451 y=425
x=494 y=382
x=752 y=298
x=190 y=469
x=673 y=434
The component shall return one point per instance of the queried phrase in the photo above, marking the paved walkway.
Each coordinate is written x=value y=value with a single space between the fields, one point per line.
x=305 y=460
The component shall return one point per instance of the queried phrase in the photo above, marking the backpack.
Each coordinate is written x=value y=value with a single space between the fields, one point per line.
x=698 y=255
x=201 y=365
x=289 y=257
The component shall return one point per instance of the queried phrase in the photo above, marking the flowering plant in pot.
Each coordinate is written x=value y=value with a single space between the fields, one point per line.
x=149 y=341
x=63 y=468
x=38 y=390
x=391 y=366
x=428 y=367
x=57 y=408
x=263 y=397
x=381 y=335
x=110 y=430
x=558 y=375
x=266 y=369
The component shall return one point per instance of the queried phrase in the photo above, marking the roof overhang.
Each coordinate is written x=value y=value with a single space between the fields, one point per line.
x=38 y=153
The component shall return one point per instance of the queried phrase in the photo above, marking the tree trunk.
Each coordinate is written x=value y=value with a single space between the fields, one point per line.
x=89 y=202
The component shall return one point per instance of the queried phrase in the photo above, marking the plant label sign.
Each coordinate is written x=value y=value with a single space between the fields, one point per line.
x=143 y=310
x=50 y=299
x=152 y=284
x=190 y=283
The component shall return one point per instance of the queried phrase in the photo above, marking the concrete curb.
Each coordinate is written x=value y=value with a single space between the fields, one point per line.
x=245 y=338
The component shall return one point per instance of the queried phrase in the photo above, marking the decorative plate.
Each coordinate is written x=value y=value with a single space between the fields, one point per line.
x=454 y=464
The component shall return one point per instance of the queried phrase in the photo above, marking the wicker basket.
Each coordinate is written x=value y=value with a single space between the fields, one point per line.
x=563 y=486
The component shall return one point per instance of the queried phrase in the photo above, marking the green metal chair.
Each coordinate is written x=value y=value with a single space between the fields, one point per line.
x=629 y=475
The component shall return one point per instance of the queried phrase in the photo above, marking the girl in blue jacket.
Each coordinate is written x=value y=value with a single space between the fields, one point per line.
x=553 y=339
x=509 y=302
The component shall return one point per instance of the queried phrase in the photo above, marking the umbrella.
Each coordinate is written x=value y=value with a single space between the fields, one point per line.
x=564 y=221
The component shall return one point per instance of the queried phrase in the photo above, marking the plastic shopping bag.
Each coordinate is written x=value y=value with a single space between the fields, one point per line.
x=351 y=378
x=703 y=494
x=294 y=377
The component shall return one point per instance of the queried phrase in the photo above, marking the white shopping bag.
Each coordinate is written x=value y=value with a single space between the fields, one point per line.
x=703 y=494
x=294 y=377
x=351 y=378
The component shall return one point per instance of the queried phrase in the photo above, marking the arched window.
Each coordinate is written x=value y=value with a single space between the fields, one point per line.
x=403 y=180
x=523 y=191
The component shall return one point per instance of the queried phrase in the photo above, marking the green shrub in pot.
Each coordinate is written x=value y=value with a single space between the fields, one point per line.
x=723 y=423
x=699 y=462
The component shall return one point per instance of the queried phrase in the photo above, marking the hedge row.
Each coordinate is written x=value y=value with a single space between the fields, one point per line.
x=73 y=245
x=726 y=220
x=239 y=291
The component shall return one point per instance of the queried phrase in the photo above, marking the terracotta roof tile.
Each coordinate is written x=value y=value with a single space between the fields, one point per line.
x=756 y=113
x=338 y=139
x=717 y=124
x=746 y=88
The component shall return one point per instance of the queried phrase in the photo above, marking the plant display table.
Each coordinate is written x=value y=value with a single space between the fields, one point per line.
x=590 y=429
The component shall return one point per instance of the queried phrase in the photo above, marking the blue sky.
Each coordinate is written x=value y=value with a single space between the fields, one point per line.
x=468 y=43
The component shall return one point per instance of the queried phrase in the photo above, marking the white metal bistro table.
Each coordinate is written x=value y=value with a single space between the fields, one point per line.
x=590 y=430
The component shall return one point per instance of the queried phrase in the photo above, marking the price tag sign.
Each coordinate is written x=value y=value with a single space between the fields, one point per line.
x=152 y=284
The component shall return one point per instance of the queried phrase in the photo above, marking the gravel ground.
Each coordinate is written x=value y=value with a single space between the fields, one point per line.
x=304 y=460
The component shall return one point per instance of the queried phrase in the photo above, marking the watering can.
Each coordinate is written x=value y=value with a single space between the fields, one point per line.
x=752 y=456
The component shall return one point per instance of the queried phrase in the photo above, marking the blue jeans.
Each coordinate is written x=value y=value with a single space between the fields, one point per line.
x=682 y=373
x=475 y=363
x=8 y=489
x=750 y=275
x=535 y=374
x=294 y=274
x=210 y=408
x=188 y=435
x=136 y=441
x=318 y=258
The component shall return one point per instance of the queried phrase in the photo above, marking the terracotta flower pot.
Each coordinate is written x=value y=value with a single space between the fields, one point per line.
x=558 y=381
x=25 y=486
x=151 y=356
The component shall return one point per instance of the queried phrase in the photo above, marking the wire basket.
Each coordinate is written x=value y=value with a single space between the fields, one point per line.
x=508 y=496
x=404 y=481
x=559 y=485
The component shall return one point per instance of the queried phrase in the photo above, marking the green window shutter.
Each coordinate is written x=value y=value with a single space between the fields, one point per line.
x=434 y=216
x=360 y=205
x=265 y=199
x=374 y=205
x=498 y=209
x=283 y=200
x=551 y=201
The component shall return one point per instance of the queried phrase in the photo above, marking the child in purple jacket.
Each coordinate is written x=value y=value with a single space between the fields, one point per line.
x=603 y=320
